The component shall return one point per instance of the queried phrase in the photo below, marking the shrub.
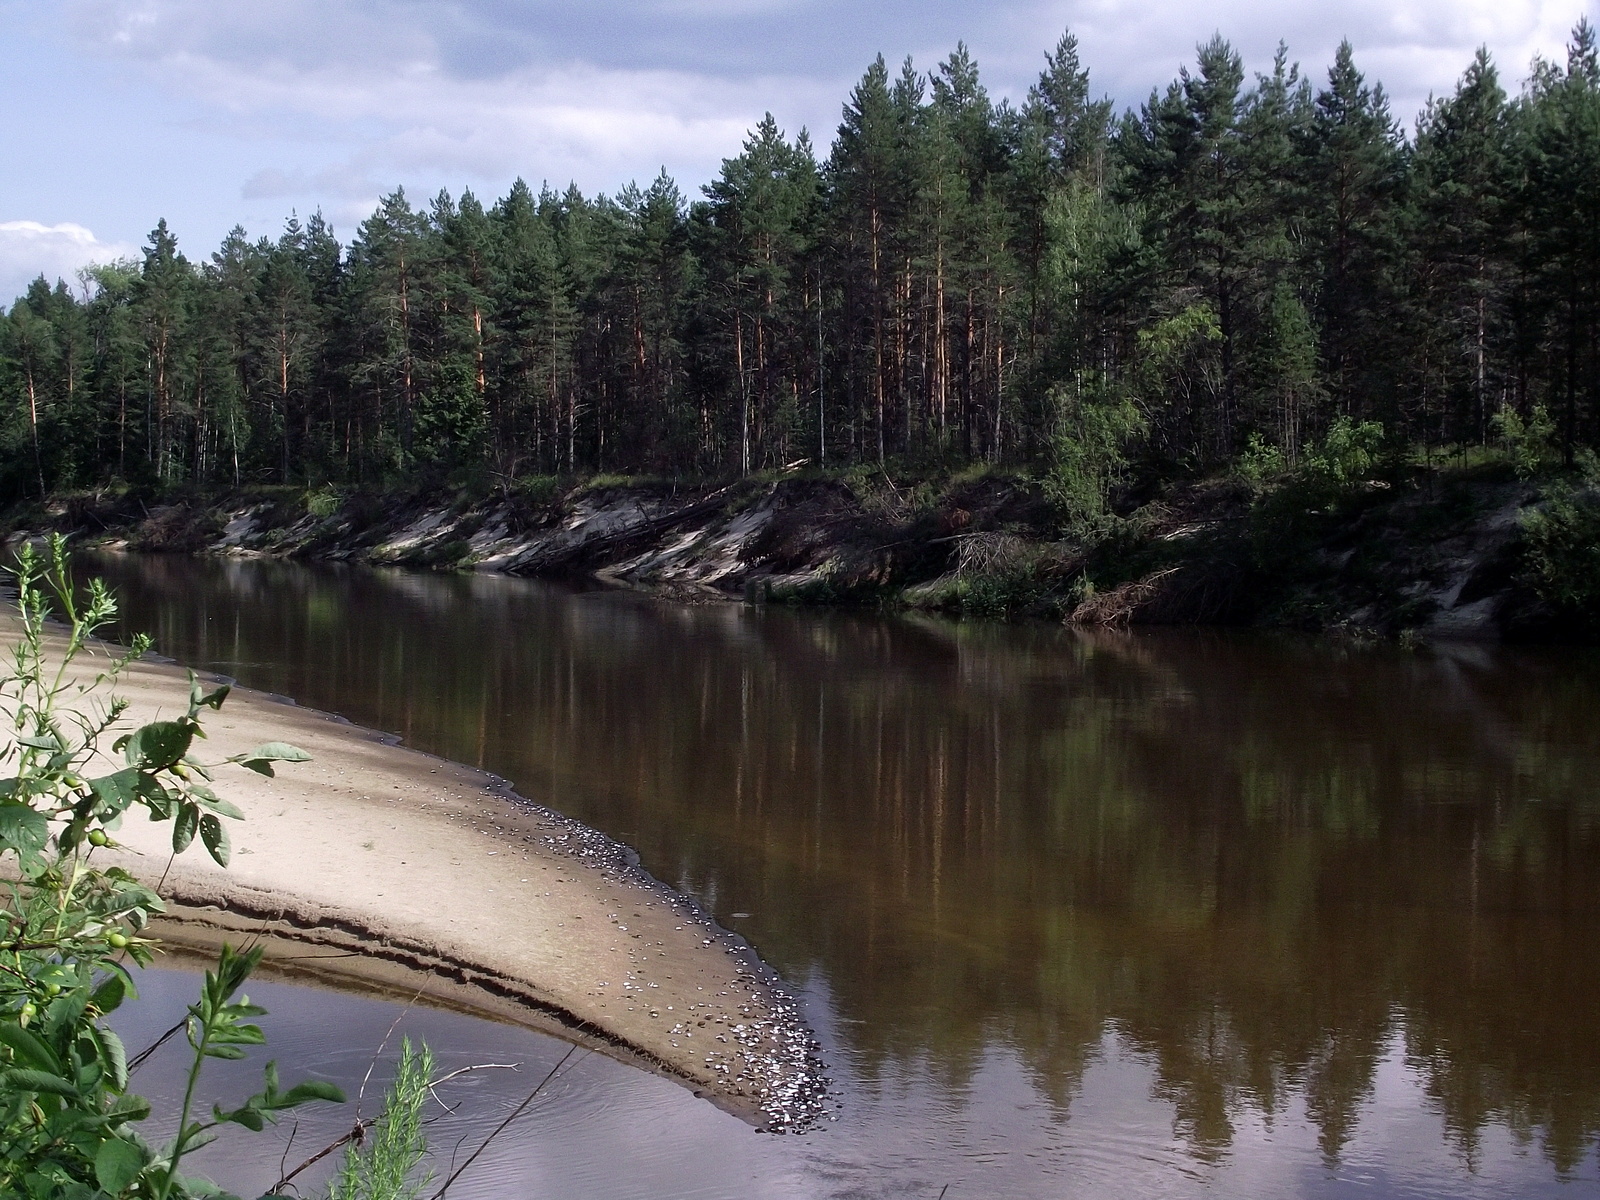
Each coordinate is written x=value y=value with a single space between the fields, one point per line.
x=1348 y=453
x=1261 y=462
x=322 y=502
x=1527 y=442
x=1088 y=451
x=1562 y=552
x=384 y=1166
x=538 y=489
x=69 y=1126
x=999 y=577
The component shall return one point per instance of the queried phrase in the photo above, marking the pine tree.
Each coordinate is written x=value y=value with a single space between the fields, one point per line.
x=1354 y=177
x=869 y=178
x=1561 y=203
x=1460 y=186
x=384 y=263
x=162 y=300
x=30 y=345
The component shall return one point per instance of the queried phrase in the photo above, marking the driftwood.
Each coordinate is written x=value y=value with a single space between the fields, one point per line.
x=991 y=553
x=1119 y=605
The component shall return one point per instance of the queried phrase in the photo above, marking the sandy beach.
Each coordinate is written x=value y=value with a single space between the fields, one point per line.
x=377 y=864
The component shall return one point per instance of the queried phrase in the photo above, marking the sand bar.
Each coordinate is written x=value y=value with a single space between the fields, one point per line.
x=381 y=864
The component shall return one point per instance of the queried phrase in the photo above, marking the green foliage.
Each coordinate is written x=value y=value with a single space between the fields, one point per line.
x=68 y=1123
x=1261 y=462
x=1528 y=443
x=1348 y=453
x=538 y=489
x=451 y=421
x=1587 y=464
x=1562 y=552
x=323 y=502
x=384 y=1166
x=1089 y=450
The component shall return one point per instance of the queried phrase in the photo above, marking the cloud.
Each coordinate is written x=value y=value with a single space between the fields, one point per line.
x=1414 y=47
x=29 y=249
x=347 y=98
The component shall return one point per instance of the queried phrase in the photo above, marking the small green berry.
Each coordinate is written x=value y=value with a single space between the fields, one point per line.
x=117 y=940
x=97 y=837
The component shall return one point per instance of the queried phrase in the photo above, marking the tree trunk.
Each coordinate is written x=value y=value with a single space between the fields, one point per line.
x=33 y=425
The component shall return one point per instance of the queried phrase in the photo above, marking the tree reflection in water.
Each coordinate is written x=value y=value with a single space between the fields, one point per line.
x=1260 y=862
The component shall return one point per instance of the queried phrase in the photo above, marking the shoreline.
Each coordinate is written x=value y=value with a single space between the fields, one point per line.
x=383 y=866
x=1427 y=554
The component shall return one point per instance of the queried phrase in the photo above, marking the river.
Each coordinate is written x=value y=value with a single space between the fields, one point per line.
x=1116 y=914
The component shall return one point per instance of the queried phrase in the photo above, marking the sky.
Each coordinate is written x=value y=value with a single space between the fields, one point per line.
x=213 y=113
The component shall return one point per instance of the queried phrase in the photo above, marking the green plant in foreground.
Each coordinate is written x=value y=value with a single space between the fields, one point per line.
x=68 y=1123
x=384 y=1167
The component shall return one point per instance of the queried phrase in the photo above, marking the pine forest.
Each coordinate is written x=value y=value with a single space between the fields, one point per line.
x=1226 y=271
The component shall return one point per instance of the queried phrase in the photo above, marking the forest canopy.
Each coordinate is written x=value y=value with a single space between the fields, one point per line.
x=1223 y=272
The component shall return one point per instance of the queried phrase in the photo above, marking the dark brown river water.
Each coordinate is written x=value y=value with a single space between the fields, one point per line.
x=1140 y=914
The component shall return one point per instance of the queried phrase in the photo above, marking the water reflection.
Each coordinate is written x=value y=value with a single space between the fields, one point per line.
x=1274 y=874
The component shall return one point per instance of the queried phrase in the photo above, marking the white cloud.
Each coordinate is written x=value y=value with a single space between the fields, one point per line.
x=29 y=249
x=347 y=98
x=1413 y=47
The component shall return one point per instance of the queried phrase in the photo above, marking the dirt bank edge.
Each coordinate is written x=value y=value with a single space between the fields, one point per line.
x=1423 y=552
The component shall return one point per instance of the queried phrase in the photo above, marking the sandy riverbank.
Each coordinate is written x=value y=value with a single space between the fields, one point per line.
x=378 y=863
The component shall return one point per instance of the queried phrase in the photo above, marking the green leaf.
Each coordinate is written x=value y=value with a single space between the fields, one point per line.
x=196 y=767
x=28 y=1047
x=128 y=1108
x=209 y=799
x=200 y=698
x=108 y=997
x=117 y=1164
x=45 y=1082
x=113 y=1055
x=247 y=1115
x=155 y=796
x=183 y=830
x=159 y=744
x=65 y=1011
x=280 y=751
x=262 y=757
x=199 y=1136
x=40 y=743
x=233 y=968
x=311 y=1089
x=22 y=829
x=215 y=838
x=117 y=791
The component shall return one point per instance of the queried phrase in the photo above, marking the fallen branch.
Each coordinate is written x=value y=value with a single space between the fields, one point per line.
x=1119 y=605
